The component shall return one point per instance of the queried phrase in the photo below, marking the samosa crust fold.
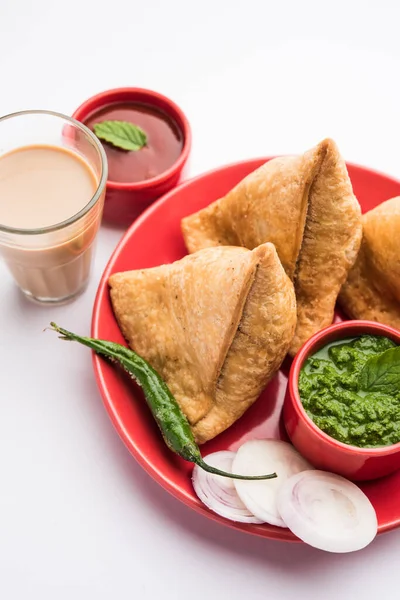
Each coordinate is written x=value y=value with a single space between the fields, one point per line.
x=331 y=241
x=208 y=326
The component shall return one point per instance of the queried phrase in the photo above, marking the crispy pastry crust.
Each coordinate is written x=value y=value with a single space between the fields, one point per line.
x=216 y=325
x=306 y=207
x=372 y=289
x=331 y=242
x=269 y=205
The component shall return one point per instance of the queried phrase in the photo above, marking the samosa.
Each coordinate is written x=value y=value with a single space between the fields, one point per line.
x=305 y=206
x=372 y=289
x=216 y=325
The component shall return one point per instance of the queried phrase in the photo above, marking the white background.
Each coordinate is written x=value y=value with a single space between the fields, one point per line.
x=78 y=518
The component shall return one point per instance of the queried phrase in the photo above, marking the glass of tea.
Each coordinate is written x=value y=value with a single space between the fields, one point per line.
x=53 y=172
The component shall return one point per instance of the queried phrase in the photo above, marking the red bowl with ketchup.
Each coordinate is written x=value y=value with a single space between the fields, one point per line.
x=137 y=178
x=323 y=451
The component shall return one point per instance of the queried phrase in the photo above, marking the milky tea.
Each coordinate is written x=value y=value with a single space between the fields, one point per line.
x=47 y=227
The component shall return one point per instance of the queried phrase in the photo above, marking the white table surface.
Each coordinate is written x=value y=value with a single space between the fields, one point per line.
x=79 y=519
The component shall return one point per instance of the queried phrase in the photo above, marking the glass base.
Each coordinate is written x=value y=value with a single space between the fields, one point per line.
x=55 y=301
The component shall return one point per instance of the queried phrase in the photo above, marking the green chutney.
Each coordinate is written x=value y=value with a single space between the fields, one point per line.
x=329 y=391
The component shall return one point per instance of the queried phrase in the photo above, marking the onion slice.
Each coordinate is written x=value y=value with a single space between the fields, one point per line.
x=327 y=511
x=260 y=456
x=218 y=493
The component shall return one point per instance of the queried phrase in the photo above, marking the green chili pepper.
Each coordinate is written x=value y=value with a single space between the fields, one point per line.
x=172 y=422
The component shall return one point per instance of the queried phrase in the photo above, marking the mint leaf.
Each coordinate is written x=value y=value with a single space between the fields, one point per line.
x=121 y=134
x=381 y=373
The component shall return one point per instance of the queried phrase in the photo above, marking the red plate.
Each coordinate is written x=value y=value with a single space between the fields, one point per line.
x=155 y=239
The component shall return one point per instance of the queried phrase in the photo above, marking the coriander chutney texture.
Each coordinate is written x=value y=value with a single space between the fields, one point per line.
x=330 y=393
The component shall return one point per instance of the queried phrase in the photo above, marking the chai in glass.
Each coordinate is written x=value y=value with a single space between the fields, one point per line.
x=51 y=200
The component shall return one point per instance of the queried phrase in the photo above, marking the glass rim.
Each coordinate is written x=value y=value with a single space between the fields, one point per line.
x=100 y=186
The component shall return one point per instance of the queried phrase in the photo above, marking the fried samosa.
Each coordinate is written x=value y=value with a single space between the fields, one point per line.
x=216 y=325
x=372 y=289
x=306 y=207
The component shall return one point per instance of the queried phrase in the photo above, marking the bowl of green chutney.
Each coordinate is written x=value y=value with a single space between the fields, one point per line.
x=342 y=403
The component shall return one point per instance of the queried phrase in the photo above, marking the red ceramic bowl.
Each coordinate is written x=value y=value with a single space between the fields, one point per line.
x=125 y=201
x=320 y=449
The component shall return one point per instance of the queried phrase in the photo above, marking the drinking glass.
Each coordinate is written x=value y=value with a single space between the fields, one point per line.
x=52 y=264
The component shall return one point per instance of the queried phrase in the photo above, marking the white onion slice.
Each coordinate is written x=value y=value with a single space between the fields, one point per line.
x=218 y=493
x=327 y=511
x=265 y=456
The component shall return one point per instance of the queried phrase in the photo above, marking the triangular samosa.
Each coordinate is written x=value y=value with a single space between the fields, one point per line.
x=372 y=289
x=216 y=325
x=305 y=206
